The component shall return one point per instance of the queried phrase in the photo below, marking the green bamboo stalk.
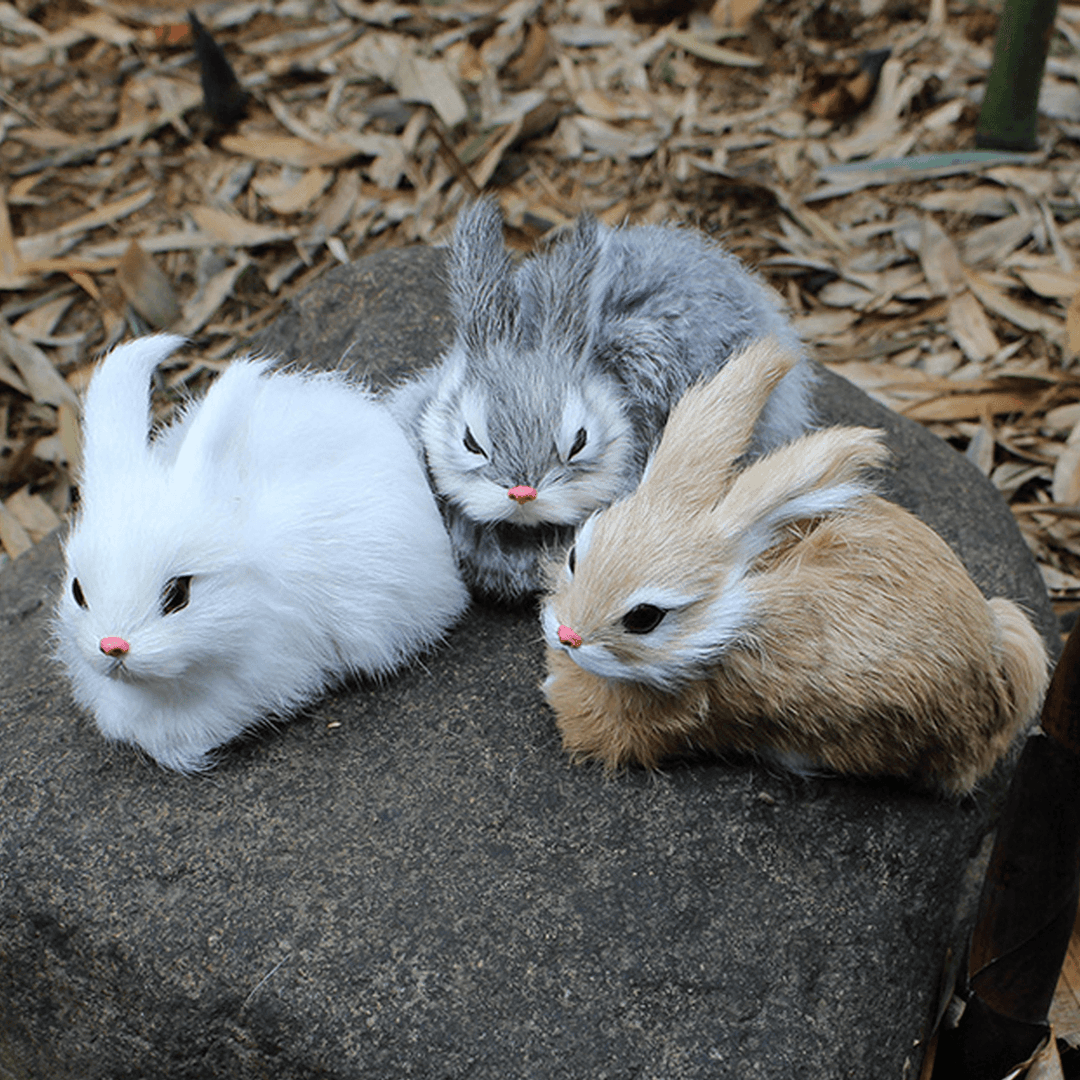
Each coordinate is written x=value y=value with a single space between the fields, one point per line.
x=1007 y=120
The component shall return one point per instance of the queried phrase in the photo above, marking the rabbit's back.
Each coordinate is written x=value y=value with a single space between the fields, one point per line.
x=877 y=654
x=670 y=306
x=342 y=513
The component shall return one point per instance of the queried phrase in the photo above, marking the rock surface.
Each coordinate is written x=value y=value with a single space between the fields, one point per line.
x=411 y=881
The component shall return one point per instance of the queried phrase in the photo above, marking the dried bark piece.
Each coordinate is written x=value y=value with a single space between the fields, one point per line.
x=33 y=513
x=940 y=259
x=970 y=327
x=14 y=538
x=41 y=377
x=147 y=288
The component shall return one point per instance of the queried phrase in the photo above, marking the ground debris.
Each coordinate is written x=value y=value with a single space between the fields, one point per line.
x=828 y=146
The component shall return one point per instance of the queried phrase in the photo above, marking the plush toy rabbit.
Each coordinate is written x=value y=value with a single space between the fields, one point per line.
x=784 y=610
x=561 y=376
x=279 y=536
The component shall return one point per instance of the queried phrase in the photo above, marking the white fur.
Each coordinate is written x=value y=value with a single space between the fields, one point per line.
x=297 y=507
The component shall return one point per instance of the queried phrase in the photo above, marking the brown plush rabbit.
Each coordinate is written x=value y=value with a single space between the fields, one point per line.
x=783 y=610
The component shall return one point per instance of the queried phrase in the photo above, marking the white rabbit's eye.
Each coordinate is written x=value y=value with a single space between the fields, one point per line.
x=76 y=591
x=571 y=559
x=643 y=619
x=472 y=445
x=580 y=439
x=176 y=595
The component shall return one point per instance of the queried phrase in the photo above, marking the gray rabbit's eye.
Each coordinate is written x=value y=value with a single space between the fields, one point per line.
x=580 y=439
x=76 y=591
x=176 y=595
x=571 y=559
x=472 y=445
x=643 y=619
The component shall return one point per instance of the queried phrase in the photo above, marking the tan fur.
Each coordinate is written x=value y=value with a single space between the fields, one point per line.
x=866 y=648
x=712 y=424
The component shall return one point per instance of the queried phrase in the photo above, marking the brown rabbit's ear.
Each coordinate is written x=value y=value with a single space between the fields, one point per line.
x=814 y=476
x=710 y=427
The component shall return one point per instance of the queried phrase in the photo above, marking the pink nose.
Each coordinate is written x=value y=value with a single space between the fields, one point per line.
x=113 y=646
x=569 y=637
x=522 y=494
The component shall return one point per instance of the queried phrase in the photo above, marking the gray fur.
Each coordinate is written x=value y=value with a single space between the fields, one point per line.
x=602 y=332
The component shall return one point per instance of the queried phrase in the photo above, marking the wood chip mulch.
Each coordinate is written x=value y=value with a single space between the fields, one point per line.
x=824 y=143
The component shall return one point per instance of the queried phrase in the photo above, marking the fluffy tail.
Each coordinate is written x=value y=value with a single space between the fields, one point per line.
x=1023 y=658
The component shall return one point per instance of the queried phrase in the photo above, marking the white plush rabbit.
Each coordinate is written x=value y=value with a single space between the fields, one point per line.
x=279 y=536
x=783 y=610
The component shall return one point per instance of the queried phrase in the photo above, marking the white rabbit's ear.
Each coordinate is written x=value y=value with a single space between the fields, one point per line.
x=218 y=417
x=482 y=292
x=116 y=408
x=711 y=426
x=813 y=477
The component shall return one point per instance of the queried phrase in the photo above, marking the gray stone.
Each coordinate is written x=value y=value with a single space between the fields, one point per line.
x=411 y=881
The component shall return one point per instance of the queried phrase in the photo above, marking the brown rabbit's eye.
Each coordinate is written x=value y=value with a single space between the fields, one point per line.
x=580 y=439
x=472 y=445
x=176 y=595
x=76 y=591
x=643 y=619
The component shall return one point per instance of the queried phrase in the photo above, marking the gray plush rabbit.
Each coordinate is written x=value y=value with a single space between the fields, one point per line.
x=562 y=374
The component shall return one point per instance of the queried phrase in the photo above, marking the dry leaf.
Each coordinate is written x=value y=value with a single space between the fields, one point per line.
x=1027 y=318
x=13 y=536
x=147 y=288
x=980 y=451
x=235 y=230
x=1065 y=488
x=1046 y=1063
x=70 y=439
x=843 y=294
x=971 y=328
x=734 y=13
x=201 y=309
x=1058 y=581
x=992 y=243
x=428 y=81
x=1072 y=326
x=12 y=267
x=106 y=28
x=41 y=378
x=715 y=54
x=983 y=201
x=1054 y=284
x=967 y=406
x=940 y=259
x=302 y=193
x=288 y=150
x=824 y=324
x=33 y=513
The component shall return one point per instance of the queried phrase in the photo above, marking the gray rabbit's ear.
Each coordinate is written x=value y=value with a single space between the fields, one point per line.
x=482 y=292
x=116 y=409
x=557 y=290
